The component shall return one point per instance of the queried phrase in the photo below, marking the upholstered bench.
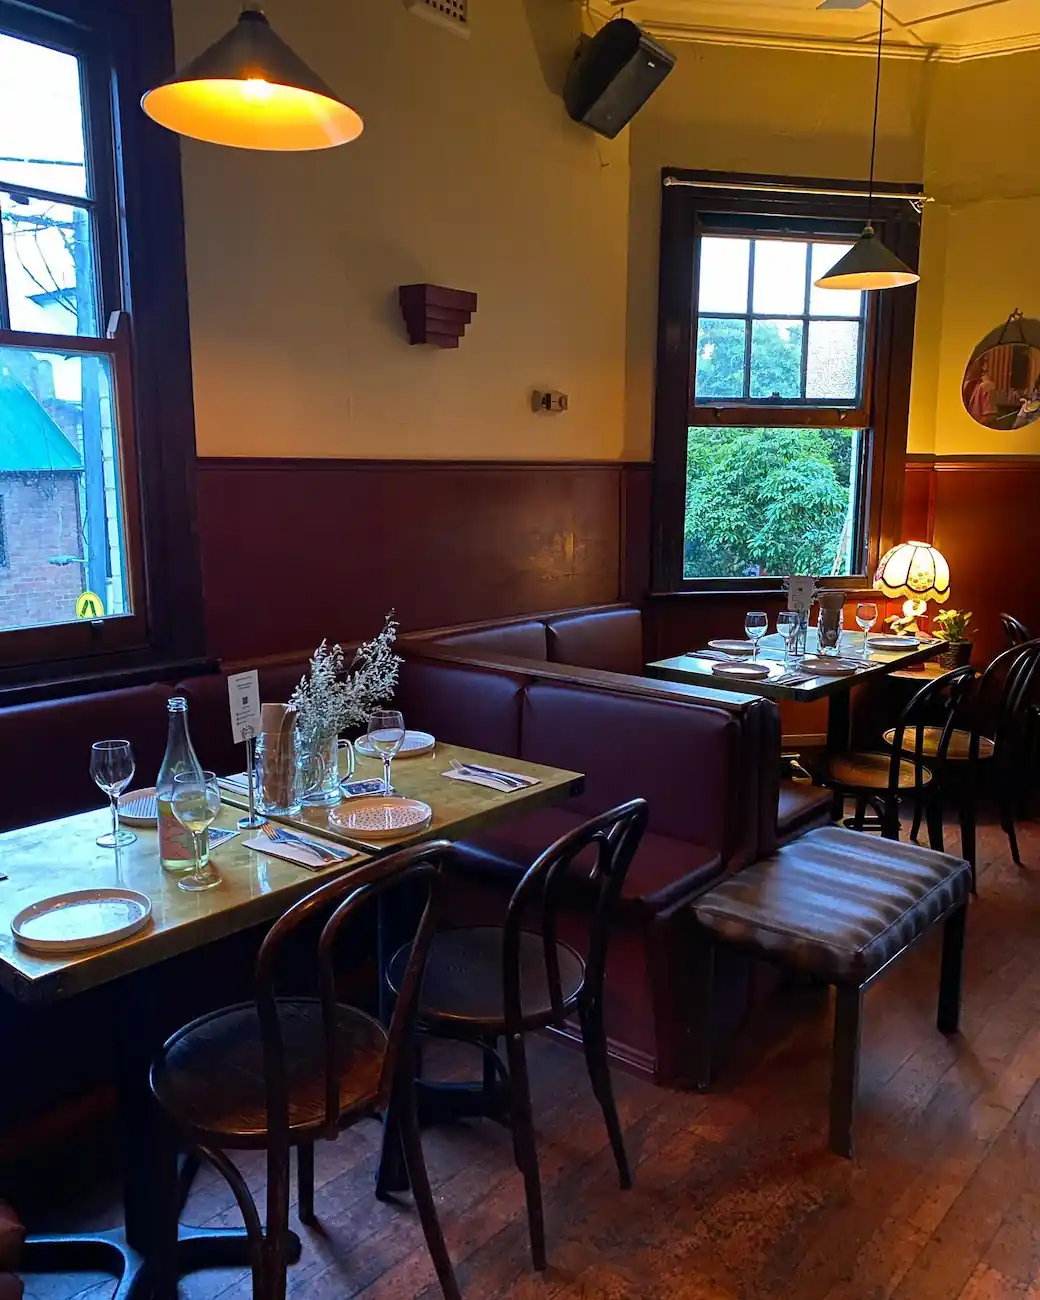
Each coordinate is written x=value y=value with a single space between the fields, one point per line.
x=841 y=906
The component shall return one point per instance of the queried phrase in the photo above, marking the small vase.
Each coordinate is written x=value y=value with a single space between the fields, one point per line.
x=956 y=654
x=320 y=766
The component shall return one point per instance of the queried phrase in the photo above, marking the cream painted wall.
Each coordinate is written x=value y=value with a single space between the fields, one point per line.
x=468 y=174
x=755 y=110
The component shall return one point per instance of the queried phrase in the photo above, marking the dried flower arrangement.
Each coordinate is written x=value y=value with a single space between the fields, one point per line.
x=333 y=697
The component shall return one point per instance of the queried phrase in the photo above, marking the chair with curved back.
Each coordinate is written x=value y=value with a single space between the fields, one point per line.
x=485 y=983
x=1015 y=630
x=285 y=1072
x=992 y=727
x=884 y=779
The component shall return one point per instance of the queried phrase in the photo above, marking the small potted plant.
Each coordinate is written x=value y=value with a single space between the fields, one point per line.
x=951 y=626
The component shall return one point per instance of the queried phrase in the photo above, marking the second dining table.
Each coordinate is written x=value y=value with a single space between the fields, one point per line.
x=256 y=887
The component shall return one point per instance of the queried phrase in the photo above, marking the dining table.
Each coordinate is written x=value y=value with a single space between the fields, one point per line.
x=41 y=861
x=796 y=683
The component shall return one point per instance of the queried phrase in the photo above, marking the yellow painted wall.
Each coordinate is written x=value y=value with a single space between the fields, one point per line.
x=469 y=174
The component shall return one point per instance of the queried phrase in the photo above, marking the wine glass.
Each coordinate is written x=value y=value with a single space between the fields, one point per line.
x=386 y=736
x=788 y=621
x=195 y=803
x=866 y=617
x=112 y=767
x=756 y=623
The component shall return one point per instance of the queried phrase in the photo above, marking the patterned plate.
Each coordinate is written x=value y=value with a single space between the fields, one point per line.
x=733 y=647
x=747 y=672
x=377 y=817
x=415 y=743
x=139 y=808
x=81 y=920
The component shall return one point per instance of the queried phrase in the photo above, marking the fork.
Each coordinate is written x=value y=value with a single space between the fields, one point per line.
x=280 y=836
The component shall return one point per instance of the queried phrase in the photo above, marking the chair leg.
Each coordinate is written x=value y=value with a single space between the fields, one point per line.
x=594 y=1041
x=966 y=815
x=276 y=1263
x=933 y=812
x=232 y=1175
x=1006 y=804
x=392 y=1175
x=411 y=1142
x=915 y=829
x=848 y=1002
x=950 y=977
x=305 y=1183
x=524 y=1145
x=890 y=818
x=861 y=813
x=702 y=957
x=168 y=1206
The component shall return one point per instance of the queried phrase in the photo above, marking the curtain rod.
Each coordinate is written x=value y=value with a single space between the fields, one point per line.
x=764 y=187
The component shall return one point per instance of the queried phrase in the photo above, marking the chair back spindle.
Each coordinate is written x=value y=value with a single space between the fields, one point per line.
x=944 y=695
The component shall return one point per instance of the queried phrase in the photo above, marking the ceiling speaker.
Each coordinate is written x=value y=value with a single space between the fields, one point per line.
x=613 y=75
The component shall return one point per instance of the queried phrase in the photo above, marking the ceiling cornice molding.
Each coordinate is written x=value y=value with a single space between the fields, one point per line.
x=698 y=35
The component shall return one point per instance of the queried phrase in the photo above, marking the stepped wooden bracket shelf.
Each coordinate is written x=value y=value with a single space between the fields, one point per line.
x=436 y=315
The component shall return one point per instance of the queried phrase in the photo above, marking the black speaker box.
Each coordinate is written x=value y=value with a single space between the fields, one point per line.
x=613 y=75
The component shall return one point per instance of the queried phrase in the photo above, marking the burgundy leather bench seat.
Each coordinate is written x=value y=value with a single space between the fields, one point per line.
x=801 y=807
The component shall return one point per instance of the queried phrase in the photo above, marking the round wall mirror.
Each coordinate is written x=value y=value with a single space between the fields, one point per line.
x=1001 y=388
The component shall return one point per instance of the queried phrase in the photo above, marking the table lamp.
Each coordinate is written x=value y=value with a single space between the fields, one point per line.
x=920 y=573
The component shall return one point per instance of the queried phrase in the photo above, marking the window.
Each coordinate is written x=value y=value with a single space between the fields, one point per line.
x=96 y=494
x=777 y=401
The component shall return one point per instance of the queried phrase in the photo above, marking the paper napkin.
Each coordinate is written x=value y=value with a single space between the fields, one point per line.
x=297 y=854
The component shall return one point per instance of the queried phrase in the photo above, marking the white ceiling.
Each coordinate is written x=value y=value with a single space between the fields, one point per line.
x=945 y=29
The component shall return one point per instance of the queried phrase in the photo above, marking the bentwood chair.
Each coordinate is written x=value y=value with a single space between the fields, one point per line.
x=486 y=983
x=995 y=728
x=1015 y=630
x=883 y=780
x=284 y=1072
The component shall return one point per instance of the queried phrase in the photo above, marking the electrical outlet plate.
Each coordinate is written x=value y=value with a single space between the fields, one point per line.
x=452 y=14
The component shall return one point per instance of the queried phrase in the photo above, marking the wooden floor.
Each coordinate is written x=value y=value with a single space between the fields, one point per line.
x=736 y=1195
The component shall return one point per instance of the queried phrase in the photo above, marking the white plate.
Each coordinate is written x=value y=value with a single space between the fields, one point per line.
x=381 y=817
x=139 y=808
x=747 y=672
x=81 y=920
x=822 y=667
x=894 y=643
x=415 y=743
x=733 y=647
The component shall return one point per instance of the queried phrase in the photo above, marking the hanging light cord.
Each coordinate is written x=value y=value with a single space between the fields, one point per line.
x=877 y=101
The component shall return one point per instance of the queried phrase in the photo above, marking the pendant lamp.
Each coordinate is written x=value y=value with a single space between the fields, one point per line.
x=868 y=264
x=250 y=91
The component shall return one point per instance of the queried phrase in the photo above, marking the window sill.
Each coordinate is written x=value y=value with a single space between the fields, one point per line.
x=68 y=683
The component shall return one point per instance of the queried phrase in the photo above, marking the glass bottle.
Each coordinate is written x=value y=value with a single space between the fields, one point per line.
x=176 y=851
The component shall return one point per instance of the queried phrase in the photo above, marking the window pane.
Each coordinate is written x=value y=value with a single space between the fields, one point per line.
x=720 y=358
x=832 y=368
x=769 y=501
x=41 y=118
x=779 y=277
x=832 y=302
x=724 y=275
x=49 y=262
x=776 y=358
x=60 y=489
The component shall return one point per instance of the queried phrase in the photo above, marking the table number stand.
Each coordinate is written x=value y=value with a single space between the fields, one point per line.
x=244 y=697
x=252 y=821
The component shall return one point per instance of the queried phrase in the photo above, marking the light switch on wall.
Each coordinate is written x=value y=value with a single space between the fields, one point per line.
x=549 y=401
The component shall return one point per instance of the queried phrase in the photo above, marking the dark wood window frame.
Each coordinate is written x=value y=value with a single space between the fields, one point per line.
x=126 y=46
x=889 y=330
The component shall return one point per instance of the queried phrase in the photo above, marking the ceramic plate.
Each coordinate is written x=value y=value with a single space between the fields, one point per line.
x=139 y=808
x=821 y=667
x=894 y=643
x=377 y=817
x=81 y=921
x=415 y=743
x=733 y=647
x=747 y=672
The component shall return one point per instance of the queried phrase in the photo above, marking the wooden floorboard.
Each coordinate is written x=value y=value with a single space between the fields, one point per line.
x=736 y=1195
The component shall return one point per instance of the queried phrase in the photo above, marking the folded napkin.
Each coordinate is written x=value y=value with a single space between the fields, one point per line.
x=492 y=783
x=716 y=654
x=297 y=854
x=218 y=836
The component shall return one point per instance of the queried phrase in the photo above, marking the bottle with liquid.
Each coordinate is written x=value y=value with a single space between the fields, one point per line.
x=176 y=851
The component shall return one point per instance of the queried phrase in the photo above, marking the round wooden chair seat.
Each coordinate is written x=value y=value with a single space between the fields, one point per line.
x=463 y=981
x=957 y=751
x=866 y=771
x=210 y=1075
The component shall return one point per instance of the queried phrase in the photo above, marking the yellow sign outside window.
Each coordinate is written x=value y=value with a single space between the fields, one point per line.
x=89 y=605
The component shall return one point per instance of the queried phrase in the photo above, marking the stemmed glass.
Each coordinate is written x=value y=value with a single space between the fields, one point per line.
x=788 y=621
x=756 y=623
x=112 y=767
x=866 y=617
x=386 y=736
x=195 y=803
